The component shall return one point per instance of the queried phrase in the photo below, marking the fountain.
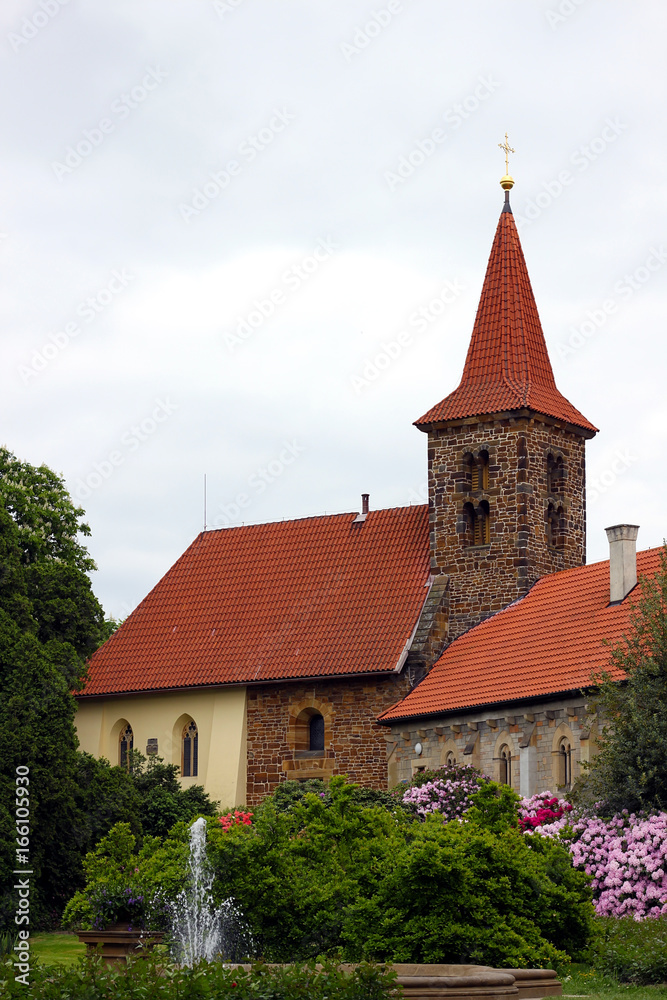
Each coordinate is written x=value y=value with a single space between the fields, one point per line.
x=199 y=930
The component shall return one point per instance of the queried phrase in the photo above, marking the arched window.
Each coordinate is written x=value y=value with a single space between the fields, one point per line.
x=190 y=764
x=308 y=731
x=480 y=472
x=450 y=759
x=482 y=526
x=477 y=524
x=467 y=526
x=468 y=462
x=505 y=765
x=565 y=763
x=555 y=526
x=125 y=747
x=555 y=475
x=316 y=732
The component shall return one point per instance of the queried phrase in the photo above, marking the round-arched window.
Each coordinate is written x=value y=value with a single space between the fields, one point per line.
x=316 y=732
x=125 y=747
x=565 y=763
x=190 y=751
x=505 y=765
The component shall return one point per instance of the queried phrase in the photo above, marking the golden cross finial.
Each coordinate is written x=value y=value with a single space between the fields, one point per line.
x=508 y=149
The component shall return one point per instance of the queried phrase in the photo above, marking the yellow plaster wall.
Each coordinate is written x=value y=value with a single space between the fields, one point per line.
x=220 y=716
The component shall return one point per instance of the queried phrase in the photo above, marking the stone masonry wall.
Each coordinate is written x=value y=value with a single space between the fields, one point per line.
x=533 y=735
x=486 y=578
x=354 y=743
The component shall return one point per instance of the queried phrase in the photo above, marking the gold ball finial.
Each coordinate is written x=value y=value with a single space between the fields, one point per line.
x=507 y=182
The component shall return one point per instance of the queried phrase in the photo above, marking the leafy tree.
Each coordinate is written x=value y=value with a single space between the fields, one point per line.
x=630 y=769
x=162 y=801
x=50 y=621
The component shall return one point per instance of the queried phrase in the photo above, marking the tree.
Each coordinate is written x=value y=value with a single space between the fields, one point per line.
x=50 y=621
x=162 y=801
x=630 y=769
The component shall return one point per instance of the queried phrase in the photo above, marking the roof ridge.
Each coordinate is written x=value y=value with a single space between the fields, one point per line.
x=309 y=517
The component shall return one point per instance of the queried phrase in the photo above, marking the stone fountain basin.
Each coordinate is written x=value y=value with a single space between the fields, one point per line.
x=468 y=982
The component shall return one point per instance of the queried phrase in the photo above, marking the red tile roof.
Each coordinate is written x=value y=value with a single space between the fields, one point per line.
x=317 y=597
x=507 y=366
x=549 y=641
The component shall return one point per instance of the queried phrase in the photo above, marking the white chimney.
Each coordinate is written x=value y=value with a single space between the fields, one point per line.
x=622 y=560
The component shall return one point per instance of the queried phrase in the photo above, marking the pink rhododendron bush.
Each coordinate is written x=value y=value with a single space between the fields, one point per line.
x=626 y=855
x=448 y=791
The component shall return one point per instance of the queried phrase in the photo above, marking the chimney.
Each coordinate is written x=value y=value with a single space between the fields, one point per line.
x=360 y=518
x=622 y=560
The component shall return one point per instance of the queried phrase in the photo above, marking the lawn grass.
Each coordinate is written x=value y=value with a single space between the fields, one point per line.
x=584 y=981
x=56 y=949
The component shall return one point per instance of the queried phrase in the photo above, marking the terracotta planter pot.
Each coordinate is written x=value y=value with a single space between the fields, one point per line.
x=118 y=942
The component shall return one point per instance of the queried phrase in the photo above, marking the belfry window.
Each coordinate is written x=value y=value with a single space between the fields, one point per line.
x=125 y=747
x=480 y=472
x=482 y=527
x=555 y=526
x=477 y=523
x=555 y=475
x=190 y=761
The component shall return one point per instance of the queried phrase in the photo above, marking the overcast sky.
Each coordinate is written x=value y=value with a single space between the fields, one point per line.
x=247 y=238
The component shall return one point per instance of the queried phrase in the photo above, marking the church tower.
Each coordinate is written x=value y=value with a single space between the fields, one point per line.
x=506 y=460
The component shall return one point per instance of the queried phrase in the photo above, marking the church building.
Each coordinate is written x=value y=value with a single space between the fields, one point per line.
x=379 y=642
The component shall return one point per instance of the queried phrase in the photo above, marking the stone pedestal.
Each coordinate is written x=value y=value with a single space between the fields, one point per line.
x=118 y=942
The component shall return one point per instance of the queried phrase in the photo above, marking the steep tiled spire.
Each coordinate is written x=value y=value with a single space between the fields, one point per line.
x=507 y=367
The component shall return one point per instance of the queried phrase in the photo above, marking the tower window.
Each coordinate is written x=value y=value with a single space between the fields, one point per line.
x=555 y=475
x=555 y=526
x=125 y=747
x=480 y=472
x=477 y=523
x=482 y=527
x=190 y=764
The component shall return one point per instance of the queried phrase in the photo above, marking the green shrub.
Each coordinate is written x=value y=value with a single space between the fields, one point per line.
x=329 y=875
x=294 y=872
x=462 y=893
x=633 y=951
x=152 y=977
x=323 y=874
x=114 y=870
x=291 y=793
